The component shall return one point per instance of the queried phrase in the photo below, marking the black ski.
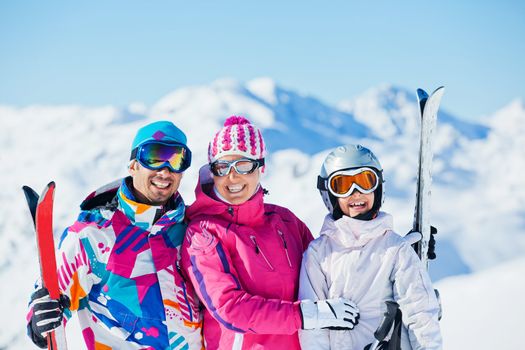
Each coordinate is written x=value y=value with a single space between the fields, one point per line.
x=428 y=108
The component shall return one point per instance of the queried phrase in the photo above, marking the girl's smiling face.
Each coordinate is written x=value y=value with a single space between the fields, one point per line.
x=357 y=203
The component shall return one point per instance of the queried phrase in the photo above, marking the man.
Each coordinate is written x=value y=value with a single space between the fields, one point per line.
x=118 y=263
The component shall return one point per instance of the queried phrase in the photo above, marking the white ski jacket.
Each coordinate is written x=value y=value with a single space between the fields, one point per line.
x=366 y=262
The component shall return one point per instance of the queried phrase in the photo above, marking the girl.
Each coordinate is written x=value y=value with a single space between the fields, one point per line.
x=358 y=256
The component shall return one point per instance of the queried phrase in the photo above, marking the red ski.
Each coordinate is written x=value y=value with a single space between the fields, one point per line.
x=42 y=212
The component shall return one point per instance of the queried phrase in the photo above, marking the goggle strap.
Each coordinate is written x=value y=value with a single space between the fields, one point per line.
x=134 y=153
x=321 y=183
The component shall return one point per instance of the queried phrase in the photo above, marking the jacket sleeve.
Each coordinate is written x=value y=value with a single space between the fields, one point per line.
x=208 y=264
x=416 y=297
x=313 y=286
x=75 y=274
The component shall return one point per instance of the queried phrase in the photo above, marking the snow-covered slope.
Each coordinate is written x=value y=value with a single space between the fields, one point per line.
x=484 y=311
x=478 y=195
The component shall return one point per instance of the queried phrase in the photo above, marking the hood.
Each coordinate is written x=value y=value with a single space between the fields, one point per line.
x=356 y=233
x=206 y=204
x=101 y=196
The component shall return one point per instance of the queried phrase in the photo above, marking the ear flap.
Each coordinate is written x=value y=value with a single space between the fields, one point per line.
x=337 y=213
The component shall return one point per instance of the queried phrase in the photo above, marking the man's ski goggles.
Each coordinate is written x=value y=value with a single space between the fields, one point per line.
x=157 y=155
x=342 y=183
x=242 y=166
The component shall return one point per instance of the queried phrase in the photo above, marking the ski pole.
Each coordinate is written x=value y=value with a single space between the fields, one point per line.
x=386 y=324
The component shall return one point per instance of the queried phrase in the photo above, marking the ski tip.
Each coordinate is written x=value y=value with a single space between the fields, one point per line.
x=438 y=93
x=421 y=93
x=441 y=89
x=50 y=188
x=422 y=98
x=29 y=191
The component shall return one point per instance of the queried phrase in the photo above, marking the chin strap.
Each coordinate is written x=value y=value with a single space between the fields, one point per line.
x=372 y=214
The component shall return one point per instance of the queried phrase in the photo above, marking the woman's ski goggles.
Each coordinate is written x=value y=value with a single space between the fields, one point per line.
x=157 y=155
x=342 y=183
x=242 y=166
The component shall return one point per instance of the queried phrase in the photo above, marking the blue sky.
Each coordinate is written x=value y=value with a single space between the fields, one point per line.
x=117 y=52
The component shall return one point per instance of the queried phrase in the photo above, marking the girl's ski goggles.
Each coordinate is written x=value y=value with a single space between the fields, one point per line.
x=157 y=155
x=242 y=166
x=342 y=183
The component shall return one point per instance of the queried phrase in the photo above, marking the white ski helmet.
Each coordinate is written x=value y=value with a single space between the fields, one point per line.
x=348 y=157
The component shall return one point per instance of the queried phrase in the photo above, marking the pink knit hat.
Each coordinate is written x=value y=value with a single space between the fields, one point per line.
x=237 y=137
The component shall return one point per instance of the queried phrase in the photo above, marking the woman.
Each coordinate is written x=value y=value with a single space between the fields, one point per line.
x=244 y=256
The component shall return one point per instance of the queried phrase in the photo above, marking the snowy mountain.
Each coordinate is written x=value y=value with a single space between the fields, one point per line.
x=478 y=195
x=393 y=109
x=289 y=120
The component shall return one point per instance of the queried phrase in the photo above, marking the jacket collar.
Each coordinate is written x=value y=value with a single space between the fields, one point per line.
x=145 y=215
x=118 y=193
x=355 y=233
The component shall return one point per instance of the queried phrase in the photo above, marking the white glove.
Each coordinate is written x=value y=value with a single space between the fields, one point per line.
x=331 y=313
x=413 y=237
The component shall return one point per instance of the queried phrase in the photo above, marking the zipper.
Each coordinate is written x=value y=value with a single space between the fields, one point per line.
x=258 y=250
x=179 y=270
x=285 y=247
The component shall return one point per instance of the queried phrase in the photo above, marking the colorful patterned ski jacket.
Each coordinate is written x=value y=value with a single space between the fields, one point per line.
x=368 y=263
x=118 y=263
x=244 y=261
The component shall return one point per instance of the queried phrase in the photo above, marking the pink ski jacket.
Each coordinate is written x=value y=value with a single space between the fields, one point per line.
x=244 y=261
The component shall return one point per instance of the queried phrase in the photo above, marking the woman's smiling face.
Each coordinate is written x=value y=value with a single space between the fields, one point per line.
x=236 y=188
